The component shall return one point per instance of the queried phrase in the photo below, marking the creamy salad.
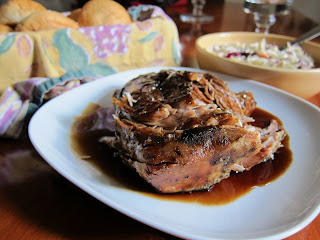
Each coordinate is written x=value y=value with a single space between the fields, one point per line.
x=265 y=54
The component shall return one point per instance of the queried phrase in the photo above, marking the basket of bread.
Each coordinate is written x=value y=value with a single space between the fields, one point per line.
x=100 y=38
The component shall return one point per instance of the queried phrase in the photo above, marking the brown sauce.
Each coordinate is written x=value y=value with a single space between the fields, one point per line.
x=228 y=190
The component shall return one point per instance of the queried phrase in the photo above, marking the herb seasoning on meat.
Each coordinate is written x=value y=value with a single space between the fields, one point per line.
x=187 y=131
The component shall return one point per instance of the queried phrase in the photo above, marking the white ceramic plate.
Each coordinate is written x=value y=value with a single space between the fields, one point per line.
x=275 y=211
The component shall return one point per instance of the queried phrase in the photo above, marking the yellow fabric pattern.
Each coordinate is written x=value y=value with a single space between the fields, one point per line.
x=101 y=50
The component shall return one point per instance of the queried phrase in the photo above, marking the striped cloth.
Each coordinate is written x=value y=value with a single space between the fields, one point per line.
x=20 y=101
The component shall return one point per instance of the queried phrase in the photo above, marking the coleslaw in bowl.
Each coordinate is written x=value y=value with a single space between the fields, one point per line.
x=265 y=54
x=257 y=56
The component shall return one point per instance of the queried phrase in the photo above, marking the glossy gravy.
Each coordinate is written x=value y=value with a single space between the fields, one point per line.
x=228 y=190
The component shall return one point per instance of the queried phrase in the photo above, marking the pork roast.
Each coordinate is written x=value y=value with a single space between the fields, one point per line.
x=186 y=131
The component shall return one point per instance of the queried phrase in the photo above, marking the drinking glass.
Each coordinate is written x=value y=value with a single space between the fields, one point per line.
x=197 y=15
x=265 y=12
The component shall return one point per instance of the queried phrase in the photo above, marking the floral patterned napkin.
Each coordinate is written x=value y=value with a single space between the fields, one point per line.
x=37 y=66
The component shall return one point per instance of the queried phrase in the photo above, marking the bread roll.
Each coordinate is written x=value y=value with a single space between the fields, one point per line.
x=103 y=12
x=5 y=28
x=75 y=14
x=45 y=20
x=14 y=11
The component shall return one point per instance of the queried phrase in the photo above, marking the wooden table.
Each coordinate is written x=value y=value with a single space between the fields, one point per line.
x=38 y=203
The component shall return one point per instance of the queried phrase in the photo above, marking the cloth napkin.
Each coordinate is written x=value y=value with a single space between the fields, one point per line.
x=19 y=102
x=37 y=66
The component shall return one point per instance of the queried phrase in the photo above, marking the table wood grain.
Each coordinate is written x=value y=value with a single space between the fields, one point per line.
x=37 y=203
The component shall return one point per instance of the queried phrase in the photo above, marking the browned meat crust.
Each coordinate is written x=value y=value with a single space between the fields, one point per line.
x=186 y=131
